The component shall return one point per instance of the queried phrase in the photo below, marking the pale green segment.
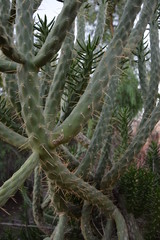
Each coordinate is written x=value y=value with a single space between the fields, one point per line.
x=28 y=80
x=93 y=96
x=10 y=187
x=13 y=138
x=24 y=27
x=81 y=25
x=56 y=36
x=56 y=89
x=102 y=128
x=7 y=66
x=152 y=92
x=142 y=70
x=114 y=174
x=100 y=20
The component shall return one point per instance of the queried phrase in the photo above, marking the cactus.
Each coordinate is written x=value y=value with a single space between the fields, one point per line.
x=41 y=95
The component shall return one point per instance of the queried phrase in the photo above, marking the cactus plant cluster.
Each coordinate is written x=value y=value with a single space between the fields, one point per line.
x=55 y=98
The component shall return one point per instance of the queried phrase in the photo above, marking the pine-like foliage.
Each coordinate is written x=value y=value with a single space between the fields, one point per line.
x=9 y=117
x=141 y=189
x=86 y=59
x=123 y=130
x=153 y=223
x=128 y=94
x=153 y=157
x=41 y=31
x=137 y=186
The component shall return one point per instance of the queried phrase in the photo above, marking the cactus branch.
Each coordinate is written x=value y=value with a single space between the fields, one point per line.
x=10 y=187
x=60 y=229
x=8 y=48
x=58 y=174
x=12 y=137
x=92 y=98
x=85 y=222
x=99 y=31
x=118 y=169
x=37 y=198
x=58 y=33
x=151 y=99
x=54 y=97
x=8 y=66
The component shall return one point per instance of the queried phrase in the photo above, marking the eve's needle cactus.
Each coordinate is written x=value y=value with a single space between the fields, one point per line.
x=73 y=183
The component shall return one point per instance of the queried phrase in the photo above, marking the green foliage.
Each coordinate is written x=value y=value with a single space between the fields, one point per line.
x=87 y=58
x=141 y=189
x=128 y=94
x=10 y=160
x=153 y=157
x=9 y=117
x=122 y=125
x=28 y=233
x=42 y=29
x=153 y=223
x=8 y=235
x=25 y=232
x=22 y=234
x=142 y=51
x=137 y=186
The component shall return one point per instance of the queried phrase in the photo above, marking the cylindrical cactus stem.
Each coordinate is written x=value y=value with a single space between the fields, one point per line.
x=151 y=99
x=46 y=201
x=37 y=195
x=12 y=91
x=111 y=4
x=59 y=231
x=31 y=104
x=37 y=200
x=13 y=138
x=68 y=157
x=28 y=81
x=108 y=229
x=80 y=25
x=61 y=204
x=36 y=5
x=10 y=80
x=93 y=96
x=56 y=36
x=102 y=128
x=118 y=169
x=4 y=12
x=56 y=89
x=7 y=66
x=46 y=79
x=104 y=161
x=58 y=174
x=138 y=32
x=6 y=43
x=100 y=20
x=133 y=229
x=142 y=69
x=11 y=186
x=85 y=222
x=24 y=28
x=7 y=46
